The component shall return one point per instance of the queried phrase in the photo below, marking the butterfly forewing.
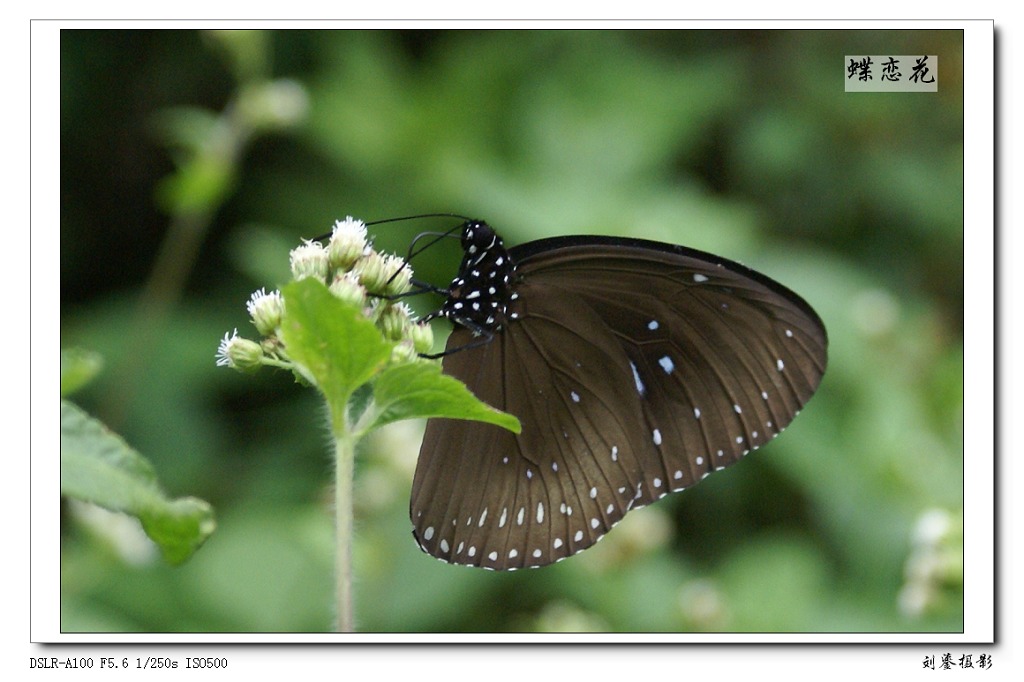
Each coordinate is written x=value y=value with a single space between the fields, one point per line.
x=636 y=368
x=721 y=358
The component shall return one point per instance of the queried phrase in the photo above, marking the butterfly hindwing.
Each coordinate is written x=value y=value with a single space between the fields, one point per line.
x=554 y=489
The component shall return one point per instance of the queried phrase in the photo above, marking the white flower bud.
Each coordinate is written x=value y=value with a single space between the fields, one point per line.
x=371 y=272
x=265 y=310
x=346 y=286
x=309 y=260
x=394 y=322
x=422 y=336
x=239 y=353
x=347 y=244
x=402 y=353
x=399 y=275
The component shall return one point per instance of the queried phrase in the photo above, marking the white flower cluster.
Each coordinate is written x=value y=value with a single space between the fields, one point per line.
x=355 y=273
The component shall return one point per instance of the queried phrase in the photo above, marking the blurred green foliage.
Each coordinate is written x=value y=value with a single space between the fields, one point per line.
x=99 y=468
x=737 y=142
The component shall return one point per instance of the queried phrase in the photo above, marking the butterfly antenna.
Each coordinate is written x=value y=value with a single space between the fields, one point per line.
x=416 y=217
x=422 y=287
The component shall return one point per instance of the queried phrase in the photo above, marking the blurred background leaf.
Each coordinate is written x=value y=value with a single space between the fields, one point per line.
x=736 y=142
x=98 y=467
x=78 y=367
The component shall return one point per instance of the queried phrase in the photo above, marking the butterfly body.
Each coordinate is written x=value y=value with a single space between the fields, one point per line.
x=636 y=368
x=479 y=297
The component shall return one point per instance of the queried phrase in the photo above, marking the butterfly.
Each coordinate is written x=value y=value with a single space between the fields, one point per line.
x=636 y=368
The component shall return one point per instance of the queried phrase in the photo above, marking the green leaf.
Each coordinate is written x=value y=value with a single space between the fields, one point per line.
x=200 y=184
x=336 y=344
x=97 y=466
x=419 y=389
x=77 y=368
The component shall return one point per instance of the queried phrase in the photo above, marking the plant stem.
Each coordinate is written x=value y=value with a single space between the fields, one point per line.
x=177 y=256
x=344 y=455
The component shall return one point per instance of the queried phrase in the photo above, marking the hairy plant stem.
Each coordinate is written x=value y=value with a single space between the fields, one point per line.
x=344 y=463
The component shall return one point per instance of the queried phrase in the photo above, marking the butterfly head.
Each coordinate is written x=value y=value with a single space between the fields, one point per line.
x=479 y=237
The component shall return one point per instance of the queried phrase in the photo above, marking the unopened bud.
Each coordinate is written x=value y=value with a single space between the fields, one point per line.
x=422 y=336
x=265 y=310
x=402 y=353
x=347 y=244
x=394 y=322
x=239 y=353
x=346 y=286
x=399 y=275
x=372 y=272
x=309 y=260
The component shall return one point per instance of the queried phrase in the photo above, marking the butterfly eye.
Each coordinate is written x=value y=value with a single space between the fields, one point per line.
x=636 y=369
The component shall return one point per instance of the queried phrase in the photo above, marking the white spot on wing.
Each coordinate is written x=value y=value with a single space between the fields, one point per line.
x=699 y=278
x=428 y=533
x=636 y=377
x=667 y=364
x=656 y=437
x=652 y=325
